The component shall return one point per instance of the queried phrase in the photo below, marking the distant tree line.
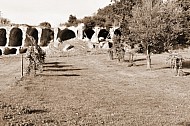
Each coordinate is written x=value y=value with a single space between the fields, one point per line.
x=89 y=21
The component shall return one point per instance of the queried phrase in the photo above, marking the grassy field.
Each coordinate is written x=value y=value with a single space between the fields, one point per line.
x=84 y=87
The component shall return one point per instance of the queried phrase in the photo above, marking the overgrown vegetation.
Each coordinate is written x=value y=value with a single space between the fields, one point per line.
x=162 y=25
x=159 y=26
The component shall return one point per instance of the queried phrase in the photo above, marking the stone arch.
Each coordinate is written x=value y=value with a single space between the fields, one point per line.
x=3 y=38
x=31 y=31
x=15 y=37
x=65 y=34
x=46 y=36
x=0 y=52
x=88 y=33
x=103 y=33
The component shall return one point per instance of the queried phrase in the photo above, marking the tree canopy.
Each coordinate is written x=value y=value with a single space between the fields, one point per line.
x=163 y=25
x=152 y=22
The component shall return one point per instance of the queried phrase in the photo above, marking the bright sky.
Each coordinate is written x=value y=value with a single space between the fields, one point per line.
x=33 y=12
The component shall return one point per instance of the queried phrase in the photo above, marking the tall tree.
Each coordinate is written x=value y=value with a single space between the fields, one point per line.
x=142 y=24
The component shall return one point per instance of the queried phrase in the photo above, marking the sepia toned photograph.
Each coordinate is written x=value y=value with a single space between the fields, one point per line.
x=95 y=63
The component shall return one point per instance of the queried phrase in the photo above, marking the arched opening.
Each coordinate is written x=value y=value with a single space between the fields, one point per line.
x=88 y=33
x=31 y=32
x=46 y=36
x=0 y=52
x=65 y=34
x=15 y=37
x=3 y=38
x=103 y=34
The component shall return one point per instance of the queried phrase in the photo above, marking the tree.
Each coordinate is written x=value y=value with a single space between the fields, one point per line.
x=4 y=21
x=45 y=24
x=156 y=25
x=72 y=21
x=99 y=20
x=160 y=26
x=107 y=14
x=142 y=24
x=89 y=22
x=184 y=21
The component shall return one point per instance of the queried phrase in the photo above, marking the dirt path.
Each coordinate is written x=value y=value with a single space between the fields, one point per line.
x=92 y=90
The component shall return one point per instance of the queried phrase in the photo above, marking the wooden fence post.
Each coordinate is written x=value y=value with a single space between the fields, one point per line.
x=21 y=65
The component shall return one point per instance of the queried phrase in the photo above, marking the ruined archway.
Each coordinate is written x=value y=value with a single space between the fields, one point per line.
x=46 y=36
x=0 y=52
x=15 y=37
x=65 y=34
x=3 y=38
x=31 y=31
x=88 y=33
x=103 y=33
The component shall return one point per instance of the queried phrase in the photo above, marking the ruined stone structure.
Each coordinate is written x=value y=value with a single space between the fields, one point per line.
x=15 y=38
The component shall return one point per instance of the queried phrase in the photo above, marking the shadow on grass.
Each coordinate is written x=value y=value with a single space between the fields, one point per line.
x=142 y=59
x=135 y=60
x=35 y=111
x=186 y=64
x=66 y=75
x=56 y=66
x=161 y=68
x=54 y=63
x=61 y=69
x=138 y=65
x=186 y=73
